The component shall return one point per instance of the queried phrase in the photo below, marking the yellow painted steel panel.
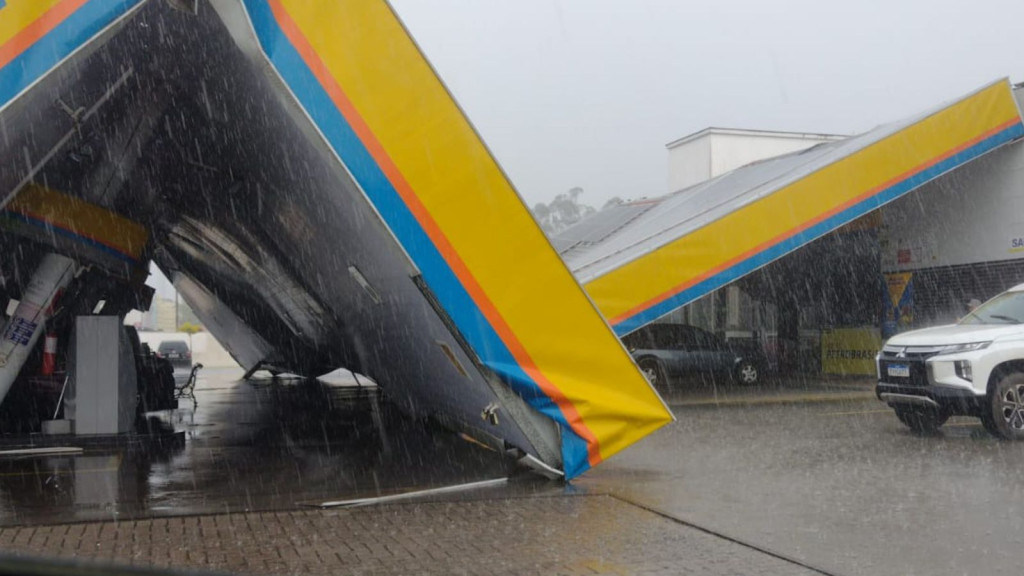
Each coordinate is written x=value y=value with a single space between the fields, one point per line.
x=79 y=220
x=430 y=153
x=22 y=16
x=737 y=238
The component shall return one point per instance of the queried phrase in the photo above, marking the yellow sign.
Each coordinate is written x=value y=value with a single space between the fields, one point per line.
x=897 y=284
x=850 y=351
x=62 y=217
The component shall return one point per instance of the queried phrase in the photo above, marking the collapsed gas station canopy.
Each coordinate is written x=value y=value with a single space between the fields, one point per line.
x=318 y=198
x=644 y=259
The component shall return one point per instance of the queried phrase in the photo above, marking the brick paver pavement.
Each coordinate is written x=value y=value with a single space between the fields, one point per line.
x=548 y=535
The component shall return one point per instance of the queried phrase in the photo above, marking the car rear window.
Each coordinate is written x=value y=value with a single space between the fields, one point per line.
x=173 y=346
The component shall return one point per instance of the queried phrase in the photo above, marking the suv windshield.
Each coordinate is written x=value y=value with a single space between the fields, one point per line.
x=1006 y=308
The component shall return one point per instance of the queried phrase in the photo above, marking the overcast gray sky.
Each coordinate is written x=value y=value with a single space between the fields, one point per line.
x=587 y=92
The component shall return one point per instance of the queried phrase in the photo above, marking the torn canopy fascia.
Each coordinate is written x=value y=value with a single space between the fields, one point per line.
x=686 y=255
x=379 y=105
x=351 y=66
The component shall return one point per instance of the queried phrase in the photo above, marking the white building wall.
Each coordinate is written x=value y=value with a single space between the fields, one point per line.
x=162 y=313
x=689 y=164
x=975 y=214
x=715 y=151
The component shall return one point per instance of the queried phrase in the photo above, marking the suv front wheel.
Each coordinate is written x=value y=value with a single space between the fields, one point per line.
x=1005 y=417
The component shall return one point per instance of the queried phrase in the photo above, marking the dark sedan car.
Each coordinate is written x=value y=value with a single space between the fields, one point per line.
x=176 y=352
x=668 y=351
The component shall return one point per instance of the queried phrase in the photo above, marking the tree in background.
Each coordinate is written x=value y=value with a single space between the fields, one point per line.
x=562 y=212
x=612 y=202
x=190 y=329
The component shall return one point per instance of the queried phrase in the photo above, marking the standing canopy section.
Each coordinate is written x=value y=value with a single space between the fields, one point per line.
x=302 y=172
x=642 y=260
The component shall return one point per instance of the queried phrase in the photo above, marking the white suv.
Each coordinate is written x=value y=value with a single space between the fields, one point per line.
x=972 y=368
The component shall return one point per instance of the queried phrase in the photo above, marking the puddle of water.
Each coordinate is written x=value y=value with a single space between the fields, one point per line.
x=275 y=444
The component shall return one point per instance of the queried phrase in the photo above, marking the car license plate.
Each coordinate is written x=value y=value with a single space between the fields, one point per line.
x=899 y=370
x=175 y=355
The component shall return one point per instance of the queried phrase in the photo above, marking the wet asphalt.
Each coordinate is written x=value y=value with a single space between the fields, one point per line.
x=257 y=445
x=817 y=472
x=841 y=485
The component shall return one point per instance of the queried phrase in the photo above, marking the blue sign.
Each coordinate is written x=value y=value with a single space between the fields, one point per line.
x=20 y=331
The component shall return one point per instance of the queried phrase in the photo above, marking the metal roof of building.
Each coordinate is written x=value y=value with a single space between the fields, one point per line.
x=791 y=135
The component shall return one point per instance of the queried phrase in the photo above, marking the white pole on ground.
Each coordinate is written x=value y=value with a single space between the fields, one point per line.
x=22 y=330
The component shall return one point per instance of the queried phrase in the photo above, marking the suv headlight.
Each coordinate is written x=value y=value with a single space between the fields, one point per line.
x=971 y=347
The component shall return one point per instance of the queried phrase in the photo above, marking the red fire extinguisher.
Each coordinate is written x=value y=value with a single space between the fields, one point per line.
x=50 y=342
x=49 y=354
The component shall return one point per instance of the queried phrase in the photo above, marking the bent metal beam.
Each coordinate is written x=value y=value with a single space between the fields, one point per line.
x=301 y=164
